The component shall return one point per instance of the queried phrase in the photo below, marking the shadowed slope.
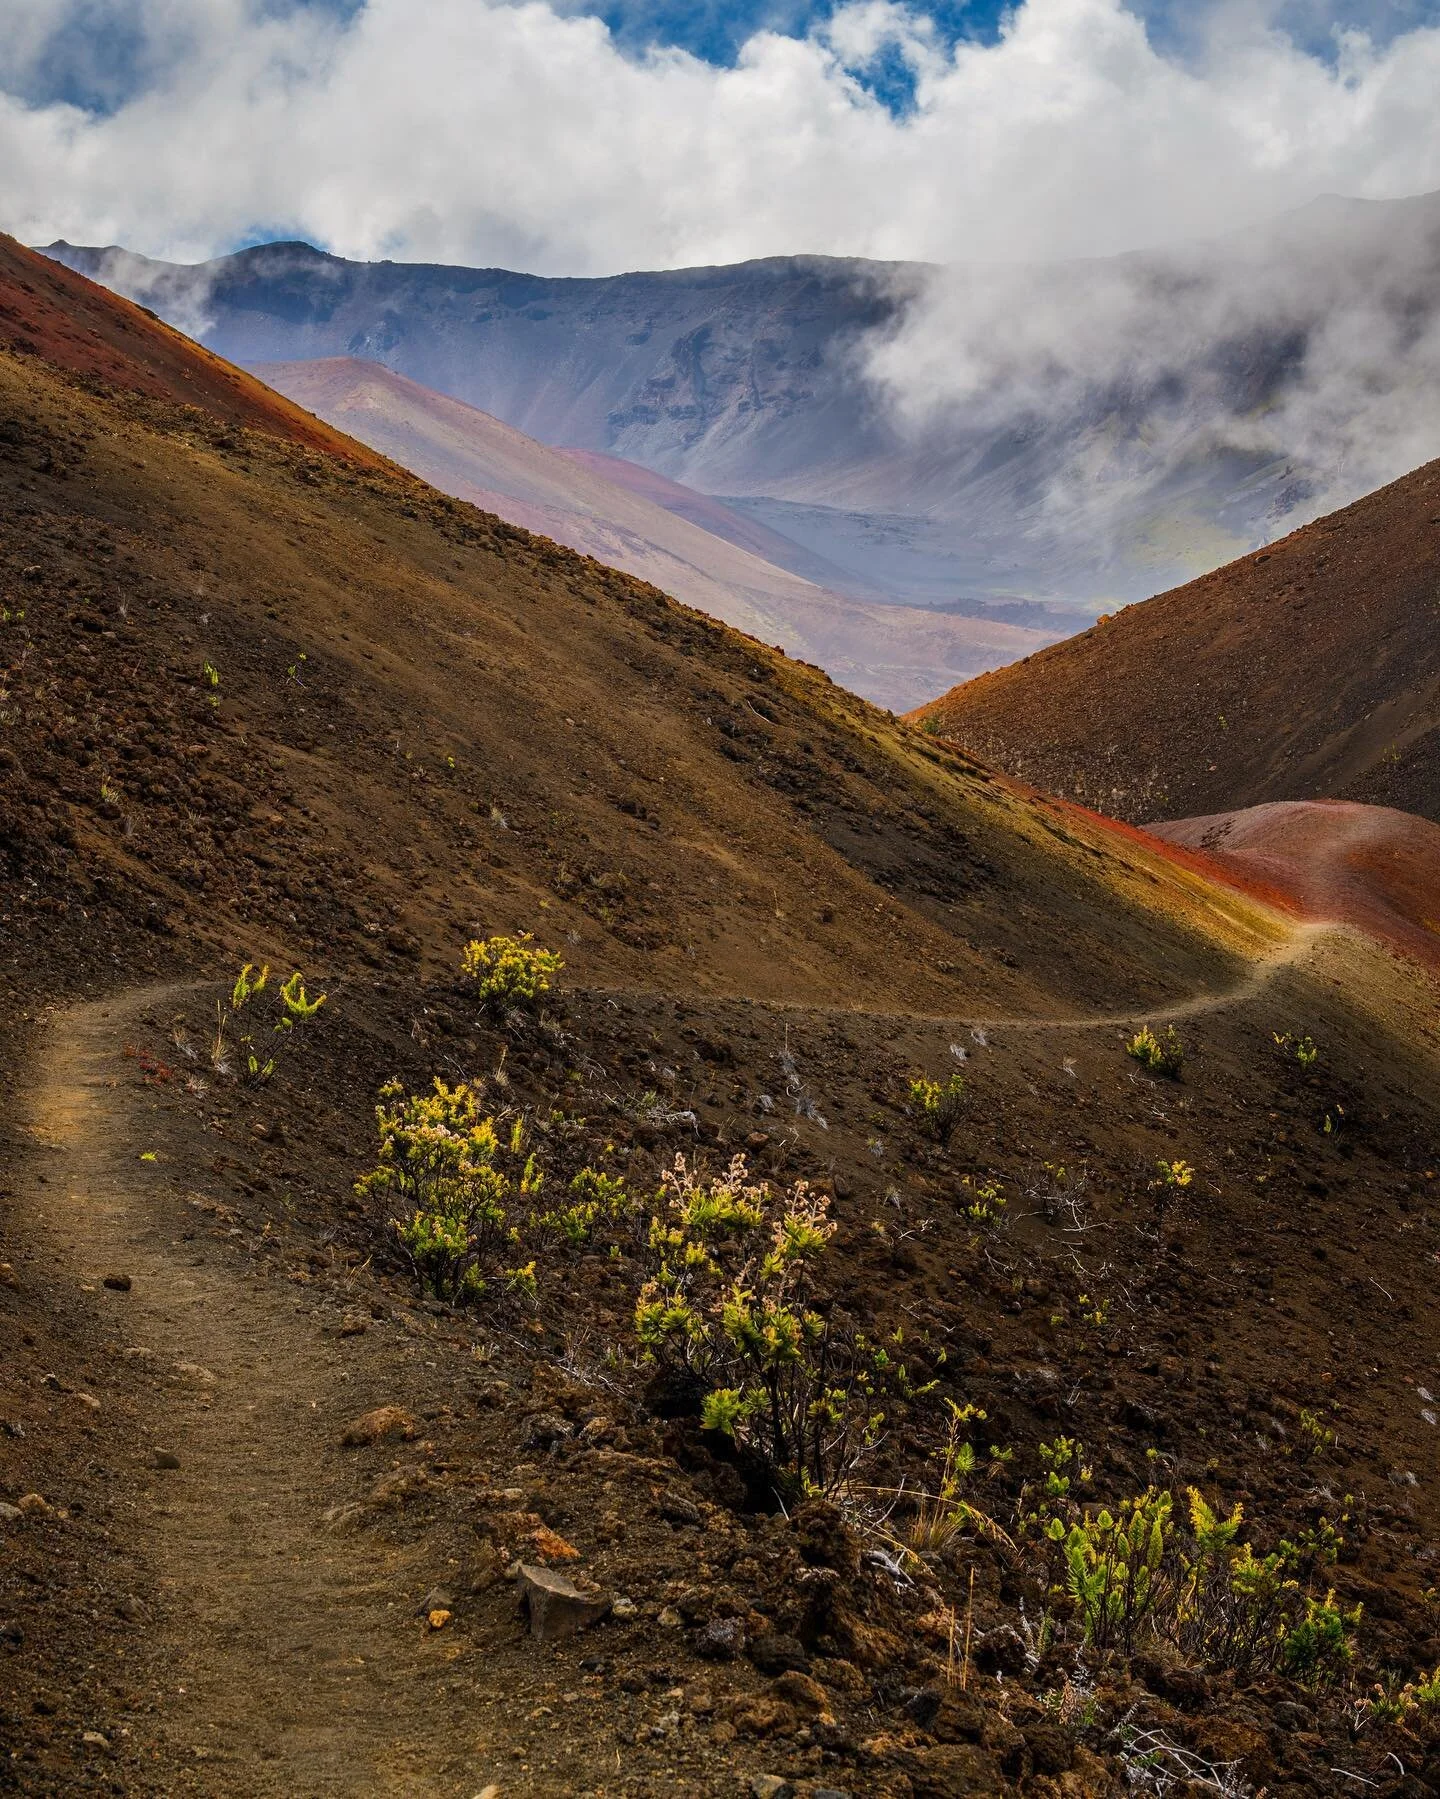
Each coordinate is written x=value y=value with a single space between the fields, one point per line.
x=1310 y=670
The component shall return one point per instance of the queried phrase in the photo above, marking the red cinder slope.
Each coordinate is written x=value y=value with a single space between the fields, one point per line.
x=1368 y=866
x=47 y=310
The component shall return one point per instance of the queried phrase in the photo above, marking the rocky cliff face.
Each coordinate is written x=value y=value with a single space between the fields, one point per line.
x=730 y=379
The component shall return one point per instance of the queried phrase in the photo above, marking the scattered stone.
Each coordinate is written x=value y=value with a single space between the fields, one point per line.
x=824 y=1539
x=675 y=1508
x=438 y=1599
x=669 y=1619
x=95 y=1739
x=721 y=1640
x=354 y=1324
x=557 y=1607
x=624 y=1608
x=772 y=1786
x=194 y=1371
x=118 y=1283
x=385 y=1424
x=8 y=1276
x=9 y=1513
x=543 y=1430
x=31 y=1505
x=550 y=1546
x=439 y=1618
x=165 y=1458
x=799 y=1690
x=130 y=1609
x=88 y=1400
x=828 y=1793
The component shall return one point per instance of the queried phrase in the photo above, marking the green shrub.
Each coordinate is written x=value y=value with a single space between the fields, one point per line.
x=730 y=1303
x=456 y=1180
x=507 y=972
x=1301 y=1048
x=937 y=1107
x=1161 y=1055
x=1137 y=1569
x=254 y=1053
x=981 y=1202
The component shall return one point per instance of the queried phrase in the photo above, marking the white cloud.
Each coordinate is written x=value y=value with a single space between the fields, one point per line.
x=472 y=131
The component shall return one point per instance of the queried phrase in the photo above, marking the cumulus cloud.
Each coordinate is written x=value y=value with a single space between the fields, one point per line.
x=1271 y=374
x=522 y=134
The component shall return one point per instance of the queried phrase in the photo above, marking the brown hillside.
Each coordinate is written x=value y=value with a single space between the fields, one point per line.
x=893 y=655
x=261 y=1490
x=1310 y=670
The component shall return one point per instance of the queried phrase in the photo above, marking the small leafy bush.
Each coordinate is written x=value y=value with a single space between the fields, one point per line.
x=457 y=1179
x=1302 y=1049
x=1160 y=1055
x=235 y=1019
x=594 y=1200
x=937 y=1106
x=508 y=973
x=731 y=1305
x=981 y=1202
x=1139 y=1570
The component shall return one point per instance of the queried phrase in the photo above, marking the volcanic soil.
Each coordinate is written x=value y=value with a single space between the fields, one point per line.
x=1308 y=670
x=265 y=701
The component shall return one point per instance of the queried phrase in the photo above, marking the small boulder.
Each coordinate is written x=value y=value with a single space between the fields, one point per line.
x=557 y=1607
x=799 y=1690
x=385 y=1424
x=31 y=1505
x=1000 y=1651
x=773 y=1652
x=771 y=1786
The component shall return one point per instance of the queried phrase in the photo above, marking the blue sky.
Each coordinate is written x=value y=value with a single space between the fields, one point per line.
x=99 y=53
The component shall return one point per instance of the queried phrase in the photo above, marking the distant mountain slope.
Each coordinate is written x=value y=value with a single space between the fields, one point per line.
x=304 y=703
x=1074 y=435
x=735 y=527
x=894 y=655
x=1309 y=670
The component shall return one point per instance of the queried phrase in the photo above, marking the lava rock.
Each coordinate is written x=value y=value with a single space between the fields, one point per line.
x=773 y=1652
x=386 y=1423
x=721 y=1640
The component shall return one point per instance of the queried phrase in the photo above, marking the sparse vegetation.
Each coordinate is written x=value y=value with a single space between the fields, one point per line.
x=731 y=1304
x=238 y=1040
x=458 y=1178
x=937 y=1105
x=508 y=973
x=1160 y=1055
x=1300 y=1049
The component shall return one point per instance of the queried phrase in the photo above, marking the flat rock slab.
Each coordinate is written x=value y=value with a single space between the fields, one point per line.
x=557 y=1607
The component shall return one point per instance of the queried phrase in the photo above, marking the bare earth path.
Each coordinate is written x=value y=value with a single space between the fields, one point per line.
x=296 y=1665
x=294 y=1662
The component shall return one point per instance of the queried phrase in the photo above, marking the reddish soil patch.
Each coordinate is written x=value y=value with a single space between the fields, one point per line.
x=47 y=310
x=1363 y=865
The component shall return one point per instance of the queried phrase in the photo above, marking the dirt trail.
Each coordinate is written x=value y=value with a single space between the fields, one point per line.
x=294 y=1663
